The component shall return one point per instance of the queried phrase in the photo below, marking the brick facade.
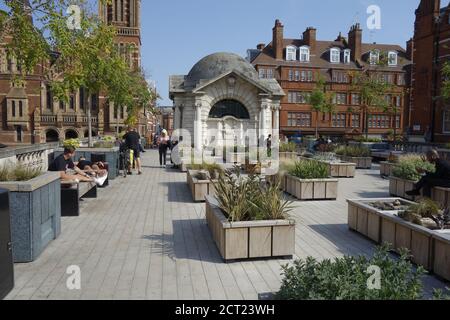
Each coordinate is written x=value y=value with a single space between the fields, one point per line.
x=297 y=64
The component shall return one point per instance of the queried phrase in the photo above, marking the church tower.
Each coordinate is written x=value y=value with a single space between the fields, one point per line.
x=125 y=15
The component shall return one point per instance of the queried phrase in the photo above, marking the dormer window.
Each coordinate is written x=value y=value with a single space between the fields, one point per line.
x=291 y=53
x=347 y=54
x=335 y=55
x=374 y=57
x=392 y=58
x=304 y=54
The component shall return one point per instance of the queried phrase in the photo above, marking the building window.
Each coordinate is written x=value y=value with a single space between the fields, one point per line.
x=446 y=124
x=392 y=58
x=335 y=55
x=374 y=57
x=401 y=80
x=61 y=105
x=262 y=73
x=306 y=76
x=304 y=54
x=82 y=98
x=291 y=75
x=20 y=109
x=356 y=99
x=397 y=122
x=340 y=98
x=298 y=97
x=339 y=120
x=299 y=119
x=291 y=53
x=398 y=101
x=19 y=135
x=347 y=54
x=297 y=75
x=387 y=78
x=379 y=121
x=13 y=107
x=94 y=102
x=388 y=99
x=49 y=98
x=72 y=102
x=355 y=121
x=340 y=77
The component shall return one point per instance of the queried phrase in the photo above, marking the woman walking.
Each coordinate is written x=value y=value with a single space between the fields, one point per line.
x=163 y=143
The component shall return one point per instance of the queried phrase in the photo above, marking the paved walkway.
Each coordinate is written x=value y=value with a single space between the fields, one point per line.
x=144 y=238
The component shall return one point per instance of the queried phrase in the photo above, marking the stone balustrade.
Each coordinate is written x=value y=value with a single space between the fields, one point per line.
x=34 y=156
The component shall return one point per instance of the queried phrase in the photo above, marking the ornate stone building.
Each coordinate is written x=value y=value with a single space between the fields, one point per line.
x=30 y=114
x=222 y=101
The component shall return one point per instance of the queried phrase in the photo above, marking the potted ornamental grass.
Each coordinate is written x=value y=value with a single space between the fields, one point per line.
x=288 y=151
x=202 y=178
x=35 y=204
x=250 y=219
x=309 y=180
x=360 y=155
x=336 y=167
x=405 y=175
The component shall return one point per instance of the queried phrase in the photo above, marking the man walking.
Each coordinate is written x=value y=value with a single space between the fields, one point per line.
x=132 y=141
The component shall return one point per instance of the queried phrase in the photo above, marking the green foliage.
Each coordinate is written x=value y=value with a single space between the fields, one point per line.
x=347 y=278
x=321 y=100
x=353 y=151
x=104 y=144
x=247 y=199
x=445 y=88
x=407 y=168
x=74 y=143
x=18 y=173
x=367 y=139
x=306 y=169
x=288 y=147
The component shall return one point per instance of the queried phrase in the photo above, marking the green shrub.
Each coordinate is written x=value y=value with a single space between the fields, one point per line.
x=306 y=169
x=288 y=147
x=74 y=143
x=353 y=151
x=347 y=278
x=368 y=139
x=407 y=168
x=18 y=173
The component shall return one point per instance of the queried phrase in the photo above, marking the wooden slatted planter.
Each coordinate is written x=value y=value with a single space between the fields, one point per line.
x=386 y=168
x=361 y=162
x=249 y=239
x=341 y=169
x=311 y=189
x=288 y=156
x=398 y=188
x=200 y=188
x=429 y=248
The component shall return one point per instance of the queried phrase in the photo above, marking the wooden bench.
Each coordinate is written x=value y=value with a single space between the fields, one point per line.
x=71 y=194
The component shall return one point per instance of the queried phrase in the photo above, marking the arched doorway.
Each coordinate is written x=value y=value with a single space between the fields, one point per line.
x=51 y=136
x=232 y=121
x=71 y=134
x=86 y=133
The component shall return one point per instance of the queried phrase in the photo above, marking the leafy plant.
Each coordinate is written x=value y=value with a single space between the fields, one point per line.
x=306 y=169
x=288 y=147
x=18 y=173
x=353 y=151
x=347 y=278
x=104 y=144
x=407 y=168
x=367 y=139
x=74 y=143
x=426 y=209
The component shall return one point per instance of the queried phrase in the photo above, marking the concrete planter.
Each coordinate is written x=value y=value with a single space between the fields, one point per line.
x=429 y=248
x=6 y=258
x=287 y=156
x=398 y=188
x=386 y=168
x=311 y=189
x=361 y=162
x=200 y=188
x=35 y=214
x=249 y=240
x=111 y=155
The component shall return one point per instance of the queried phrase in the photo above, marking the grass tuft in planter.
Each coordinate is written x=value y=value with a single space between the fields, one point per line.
x=427 y=213
x=353 y=151
x=309 y=170
x=288 y=147
x=347 y=278
x=18 y=173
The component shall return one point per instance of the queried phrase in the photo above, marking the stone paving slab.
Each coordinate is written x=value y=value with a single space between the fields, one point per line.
x=144 y=238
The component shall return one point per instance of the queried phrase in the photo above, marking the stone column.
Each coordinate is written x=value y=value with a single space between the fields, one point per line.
x=177 y=124
x=198 y=127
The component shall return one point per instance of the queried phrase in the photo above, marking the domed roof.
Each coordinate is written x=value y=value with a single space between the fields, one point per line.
x=217 y=64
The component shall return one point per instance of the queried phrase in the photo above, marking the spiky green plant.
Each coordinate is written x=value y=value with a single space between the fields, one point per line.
x=353 y=151
x=306 y=169
x=18 y=173
x=288 y=147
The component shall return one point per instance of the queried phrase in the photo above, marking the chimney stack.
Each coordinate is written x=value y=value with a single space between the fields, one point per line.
x=310 y=38
x=355 y=42
x=278 y=40
x=261 y=46
x=410 y=49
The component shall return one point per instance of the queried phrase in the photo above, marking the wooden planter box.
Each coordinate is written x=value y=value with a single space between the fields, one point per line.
x=386 y=168
x=200 y=188
x=429 y=248
x=398 y=187
x=288 y=156
x=35 y=214
x=361 y=163
x=249 y=240
x=311 y=189
x=341 y=169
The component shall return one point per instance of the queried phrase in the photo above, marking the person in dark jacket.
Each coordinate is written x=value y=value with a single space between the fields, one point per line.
x=439 y=178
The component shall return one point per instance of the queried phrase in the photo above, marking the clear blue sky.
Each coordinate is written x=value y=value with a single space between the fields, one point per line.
x=177 y=33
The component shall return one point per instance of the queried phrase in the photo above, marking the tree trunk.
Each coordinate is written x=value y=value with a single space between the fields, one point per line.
x=317 y=124
x=89 y=122
x=366 y=122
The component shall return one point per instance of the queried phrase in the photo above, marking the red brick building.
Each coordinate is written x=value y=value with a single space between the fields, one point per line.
x=30 y=114
x=431 y=50
x=297 y=64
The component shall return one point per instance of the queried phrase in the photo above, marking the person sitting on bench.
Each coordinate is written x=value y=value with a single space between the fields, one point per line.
x=440 y=178
x=93 y=169
x=69 y=172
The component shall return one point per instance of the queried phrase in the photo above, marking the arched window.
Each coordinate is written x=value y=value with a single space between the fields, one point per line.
x=51 y=136
x=229 y=108
x=304 y=54
x=335 y=55
x=20 y=109
x=374 y=57
x=347 y=54
x=392 y=58
x=71 y=134
x=13 y=107
x=291 y=53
